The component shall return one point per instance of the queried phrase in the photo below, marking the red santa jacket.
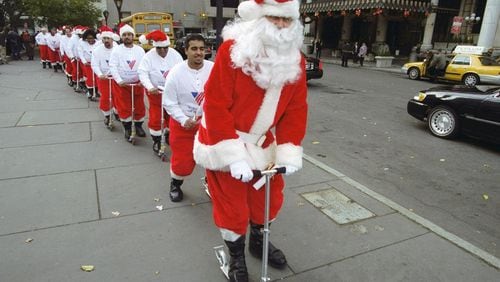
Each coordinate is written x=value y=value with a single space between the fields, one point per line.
x=239 y=115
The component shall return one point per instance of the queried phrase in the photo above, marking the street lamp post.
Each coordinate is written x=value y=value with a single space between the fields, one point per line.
x=105 y=13
x=470 y=21
x=118 y=4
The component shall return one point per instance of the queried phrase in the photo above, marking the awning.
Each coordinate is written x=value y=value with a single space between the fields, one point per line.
x=341 y=5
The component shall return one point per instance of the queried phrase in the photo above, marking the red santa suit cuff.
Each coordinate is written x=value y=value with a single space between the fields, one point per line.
x=289 y=154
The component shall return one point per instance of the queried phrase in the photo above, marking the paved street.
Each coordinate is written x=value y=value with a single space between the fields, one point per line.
x=73 y=193
x=361 y=121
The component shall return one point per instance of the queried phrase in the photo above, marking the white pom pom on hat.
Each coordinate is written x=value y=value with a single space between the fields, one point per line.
x=254 y=9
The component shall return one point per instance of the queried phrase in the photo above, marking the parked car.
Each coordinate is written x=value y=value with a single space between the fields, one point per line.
x=450 y=110
x=314 y=68
x=179 y=46
x=466 y=65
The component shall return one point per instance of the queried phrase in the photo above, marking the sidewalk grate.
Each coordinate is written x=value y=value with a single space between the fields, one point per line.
x=337 y=206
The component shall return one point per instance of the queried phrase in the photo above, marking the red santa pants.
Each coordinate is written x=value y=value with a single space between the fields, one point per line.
x=235 y=203
x=181 y=142
x=44 y=53
x=76 y=71
x=90 y=77
x=69 y=65
x=54 y=56
x=155 y=108
x=124 y=102
x=104 y=88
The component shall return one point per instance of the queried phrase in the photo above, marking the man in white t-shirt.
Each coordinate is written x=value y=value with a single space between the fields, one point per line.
x=100 y=66
x=184 y=94
x=153 y=70
x=124 y=65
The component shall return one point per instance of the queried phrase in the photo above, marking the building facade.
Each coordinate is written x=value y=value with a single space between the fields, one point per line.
x=190 y=16
x=402 y=24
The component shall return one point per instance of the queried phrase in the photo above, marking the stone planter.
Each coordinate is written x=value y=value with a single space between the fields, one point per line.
x=384 y=61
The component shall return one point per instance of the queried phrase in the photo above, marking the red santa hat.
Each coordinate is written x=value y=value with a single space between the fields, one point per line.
x=126 y=28
x=254 y=9
x=159 y=38
x=106 y=31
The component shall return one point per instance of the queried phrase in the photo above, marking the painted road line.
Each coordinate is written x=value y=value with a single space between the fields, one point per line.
x=487 y=257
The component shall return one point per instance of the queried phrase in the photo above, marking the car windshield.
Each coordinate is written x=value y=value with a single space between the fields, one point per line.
x=487 y=61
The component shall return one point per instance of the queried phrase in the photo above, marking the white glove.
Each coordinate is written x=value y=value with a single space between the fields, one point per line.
x=289 y=169
x=241 y=171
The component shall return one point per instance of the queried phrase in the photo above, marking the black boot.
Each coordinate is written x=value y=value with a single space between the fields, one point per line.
x=127 y=126
x=56 y=66
x=176 y=194
x=138 y=129
x=50 y=65
x=44 y=65
x=156 y=143
x=276 y=258
x=237 y=266
x=117 y=117
x=106 y=121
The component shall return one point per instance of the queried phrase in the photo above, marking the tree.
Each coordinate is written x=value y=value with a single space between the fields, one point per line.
x=10 y=11
x=55 y=13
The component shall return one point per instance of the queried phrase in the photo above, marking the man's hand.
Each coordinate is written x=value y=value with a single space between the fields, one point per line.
x=189 y=124
x=103 y=76
x=153 y=91
x=122 y=84
x=241 y=170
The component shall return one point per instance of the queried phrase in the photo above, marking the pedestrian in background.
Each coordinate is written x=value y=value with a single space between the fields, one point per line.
x=362 y=53
x=319 y=46
x=3 y=49
x=14 y=44
x=29 y=43
x=346 y=53
x=355 y=51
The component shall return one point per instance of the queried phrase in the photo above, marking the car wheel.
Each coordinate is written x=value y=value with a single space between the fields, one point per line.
x=413 y=73
x=471 y=80
x=443 y=122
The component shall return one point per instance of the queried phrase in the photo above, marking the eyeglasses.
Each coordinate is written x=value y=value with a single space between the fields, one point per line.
x=157 y=47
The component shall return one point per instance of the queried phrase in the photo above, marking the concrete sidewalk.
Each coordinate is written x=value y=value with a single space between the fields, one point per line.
x=64 y=178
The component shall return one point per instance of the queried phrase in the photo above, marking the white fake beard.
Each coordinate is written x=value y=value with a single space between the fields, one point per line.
x=269 y=54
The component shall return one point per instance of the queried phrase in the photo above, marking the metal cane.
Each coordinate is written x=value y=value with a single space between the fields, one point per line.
x=133 y=133
x=163 y=142
x=77 y=85
x=110 y=123
x=94 y=95
x=219 y=250
x=266 y=232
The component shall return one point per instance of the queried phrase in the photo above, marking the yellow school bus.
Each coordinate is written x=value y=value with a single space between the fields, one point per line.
x=145 y=22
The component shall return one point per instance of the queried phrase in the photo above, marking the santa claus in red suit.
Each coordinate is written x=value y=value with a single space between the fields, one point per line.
x=257 y=87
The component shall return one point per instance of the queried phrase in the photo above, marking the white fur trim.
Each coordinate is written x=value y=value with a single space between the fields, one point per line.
x=173 y=175
x=164 y=43
x=111 y=35
x=126 y=28
x=289 y=154
x=143 y=39
x=220 y=155
x=224 y=153
x=249 y=10
x=288 y=9
x=229 y=235
x=267 y=111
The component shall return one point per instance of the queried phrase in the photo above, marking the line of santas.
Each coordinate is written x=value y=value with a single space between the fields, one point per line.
x=97 y=65
x=254 y=111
